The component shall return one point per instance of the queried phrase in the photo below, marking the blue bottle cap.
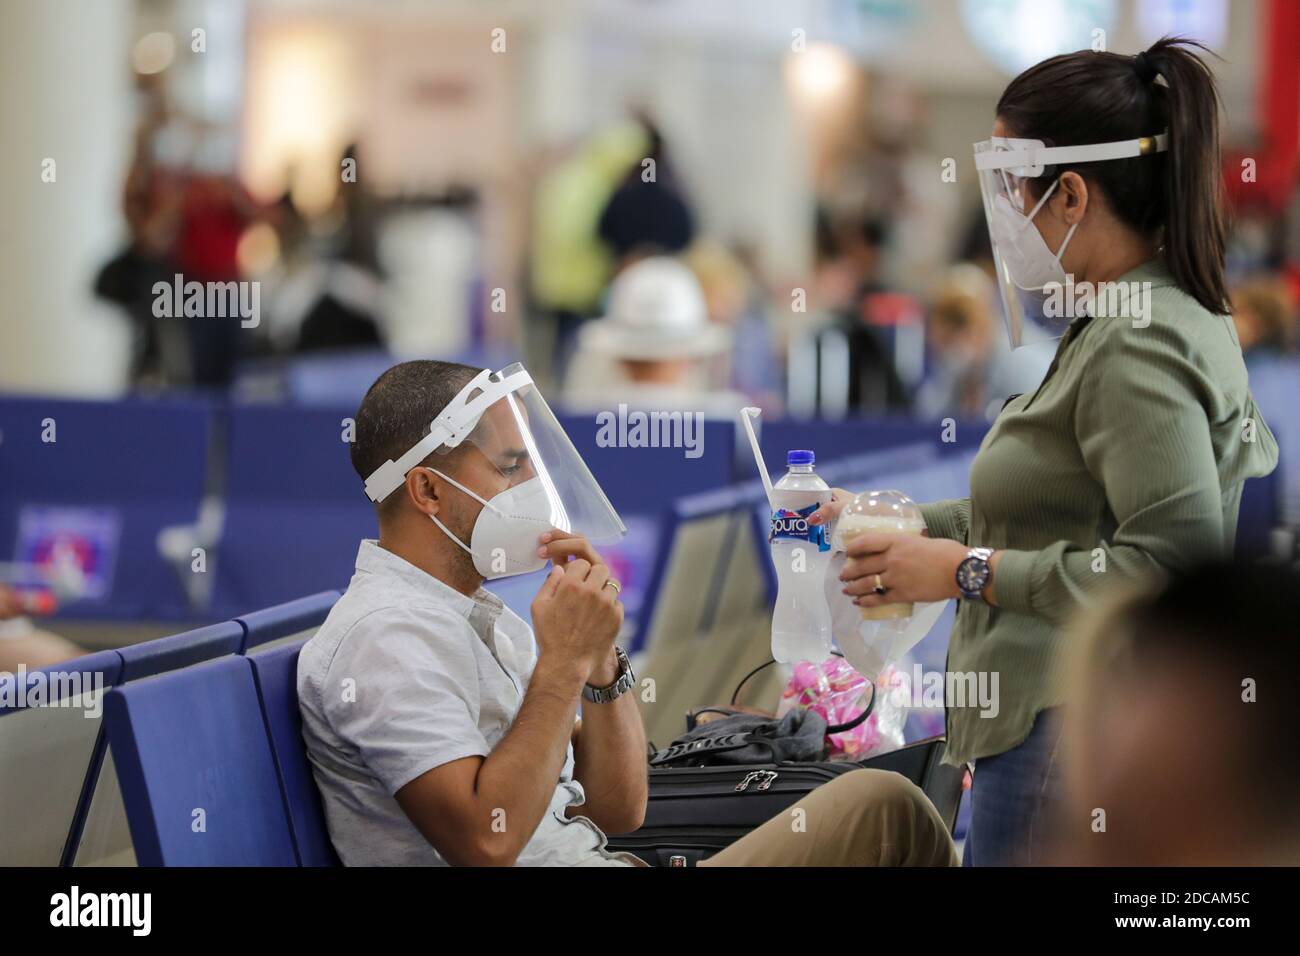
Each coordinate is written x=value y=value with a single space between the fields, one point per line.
x=799 y=457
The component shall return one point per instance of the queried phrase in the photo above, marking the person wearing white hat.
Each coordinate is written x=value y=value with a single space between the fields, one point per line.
x=652 y=348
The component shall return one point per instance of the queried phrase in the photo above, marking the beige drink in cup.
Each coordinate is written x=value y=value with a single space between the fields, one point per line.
x=889 y=511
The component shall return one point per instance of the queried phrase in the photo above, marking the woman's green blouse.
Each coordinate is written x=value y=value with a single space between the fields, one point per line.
x=1128 y=461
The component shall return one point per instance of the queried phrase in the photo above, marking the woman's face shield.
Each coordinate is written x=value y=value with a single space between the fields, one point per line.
x=1016 y=177
x=1008 y=202
x=506 y=420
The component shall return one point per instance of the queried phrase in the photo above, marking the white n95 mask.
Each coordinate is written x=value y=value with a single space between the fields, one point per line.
x=504 y=540
x=1030 y=262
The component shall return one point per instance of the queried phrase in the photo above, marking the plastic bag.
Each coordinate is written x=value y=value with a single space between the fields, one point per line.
x=871 y=646
x=834 y=690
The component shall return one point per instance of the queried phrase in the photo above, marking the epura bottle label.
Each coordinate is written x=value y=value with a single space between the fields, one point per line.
x=793 y=526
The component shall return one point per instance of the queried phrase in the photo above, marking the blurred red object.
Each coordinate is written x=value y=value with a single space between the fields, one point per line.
x=890 y=308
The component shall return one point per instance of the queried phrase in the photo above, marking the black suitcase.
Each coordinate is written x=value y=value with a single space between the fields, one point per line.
x=693 y=812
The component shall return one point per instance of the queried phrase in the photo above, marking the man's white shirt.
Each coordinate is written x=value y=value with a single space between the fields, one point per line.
x=405 y=675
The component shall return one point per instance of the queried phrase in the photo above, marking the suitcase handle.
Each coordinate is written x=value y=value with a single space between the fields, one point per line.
x=708 y=745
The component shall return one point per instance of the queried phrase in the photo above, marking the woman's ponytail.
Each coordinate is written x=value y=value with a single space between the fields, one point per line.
x=1102 y=97
x=1195 y=227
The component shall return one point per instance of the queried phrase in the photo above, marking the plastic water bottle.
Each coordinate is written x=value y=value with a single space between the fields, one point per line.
x=801 y=620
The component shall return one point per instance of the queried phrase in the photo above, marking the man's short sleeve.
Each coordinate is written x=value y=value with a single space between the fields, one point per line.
x=404 y=707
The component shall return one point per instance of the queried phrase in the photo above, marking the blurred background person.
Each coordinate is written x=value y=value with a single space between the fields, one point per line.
x=215 y=212
x=151 y=198
x=1179 y=745
x=961 y=337
x=570 y=263
x=330 y=294
x=1265 y=318
x=22 y=643
x=735 y=300
x=656 y=347
x=972 y=370
x=856 y=303
x=648 y=214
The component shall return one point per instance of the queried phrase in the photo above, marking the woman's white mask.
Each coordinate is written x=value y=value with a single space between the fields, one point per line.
x=504 y=540
x=1029 y=260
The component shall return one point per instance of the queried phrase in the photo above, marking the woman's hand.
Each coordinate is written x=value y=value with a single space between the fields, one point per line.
x=912 y=567
x=831 y=510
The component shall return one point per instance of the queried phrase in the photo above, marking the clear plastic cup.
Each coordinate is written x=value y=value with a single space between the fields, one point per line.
x=880 y=511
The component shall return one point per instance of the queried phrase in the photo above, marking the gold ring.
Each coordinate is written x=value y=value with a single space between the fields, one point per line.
x=611 y=583
x=880 y=587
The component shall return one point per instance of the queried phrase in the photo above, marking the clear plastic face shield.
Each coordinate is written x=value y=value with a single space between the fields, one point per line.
x=1028 y=270
x=523 y=469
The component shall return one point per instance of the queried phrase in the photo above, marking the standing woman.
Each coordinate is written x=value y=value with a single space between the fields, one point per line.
x=1129 y=458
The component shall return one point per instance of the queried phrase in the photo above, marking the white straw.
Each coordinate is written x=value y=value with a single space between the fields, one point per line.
x=747 y=416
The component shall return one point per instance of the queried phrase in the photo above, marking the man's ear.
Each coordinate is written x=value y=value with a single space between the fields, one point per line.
x=1072 y=198
x=421 y=489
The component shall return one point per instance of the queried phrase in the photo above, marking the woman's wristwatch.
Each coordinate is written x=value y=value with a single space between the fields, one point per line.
x=621 y=685
x=974 y=574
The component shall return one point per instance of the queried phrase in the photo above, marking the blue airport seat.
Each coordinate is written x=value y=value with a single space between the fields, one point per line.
x=342 y=377
x=180 y=650
x=295 y=509
x=1276 y=388
x=196 y=771
x=49 y=754
x=334 y=379
x=284 y=620
x=643 y=481
x=93 y=832
x=1259 y=514
x=709 y=511
x=276 y=675
x=116 y=474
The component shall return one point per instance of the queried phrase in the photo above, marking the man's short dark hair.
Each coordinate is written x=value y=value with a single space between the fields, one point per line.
x=398 y=409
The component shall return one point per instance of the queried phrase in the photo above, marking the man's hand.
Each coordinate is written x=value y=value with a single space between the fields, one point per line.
x=561 y=546
x=576 y=616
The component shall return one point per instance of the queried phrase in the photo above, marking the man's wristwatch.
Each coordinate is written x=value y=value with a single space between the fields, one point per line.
x=622 y=684
x=974 y=574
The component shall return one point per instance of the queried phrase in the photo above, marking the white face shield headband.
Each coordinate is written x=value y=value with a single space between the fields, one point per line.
x=549 y=486
x=1027 y=268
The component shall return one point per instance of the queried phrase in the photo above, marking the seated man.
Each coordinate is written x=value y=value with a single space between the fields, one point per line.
x=439 y=731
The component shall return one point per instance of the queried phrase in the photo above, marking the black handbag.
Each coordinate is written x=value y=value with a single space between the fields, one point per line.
x=699 y=804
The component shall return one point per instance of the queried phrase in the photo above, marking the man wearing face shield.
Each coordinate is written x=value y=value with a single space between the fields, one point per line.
x=439 y=730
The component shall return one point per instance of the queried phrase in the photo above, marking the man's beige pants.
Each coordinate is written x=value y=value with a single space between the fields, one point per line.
x=862 y=818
